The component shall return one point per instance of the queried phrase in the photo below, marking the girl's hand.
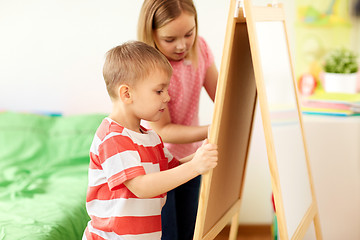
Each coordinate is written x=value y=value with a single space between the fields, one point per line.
x=205 y=158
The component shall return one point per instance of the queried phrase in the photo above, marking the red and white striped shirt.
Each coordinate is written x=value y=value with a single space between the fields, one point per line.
x=118 y=154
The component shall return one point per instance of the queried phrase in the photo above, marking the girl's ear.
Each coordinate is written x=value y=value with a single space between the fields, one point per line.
x=124 y=93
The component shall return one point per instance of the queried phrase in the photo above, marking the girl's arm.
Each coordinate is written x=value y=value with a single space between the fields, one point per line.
x=187 y=158
x=210 y=82
x=176 y=133
x=154 y=184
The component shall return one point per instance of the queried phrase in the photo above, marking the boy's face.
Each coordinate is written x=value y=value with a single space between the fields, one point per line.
x=150 y=96
x=176 y=38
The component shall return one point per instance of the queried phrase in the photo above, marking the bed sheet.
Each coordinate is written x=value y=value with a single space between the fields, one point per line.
x=43 y=179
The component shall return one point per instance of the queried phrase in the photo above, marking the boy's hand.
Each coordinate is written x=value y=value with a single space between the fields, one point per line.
x=205 y=158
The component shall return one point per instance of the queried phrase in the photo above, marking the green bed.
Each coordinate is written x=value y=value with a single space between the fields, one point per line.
x=43 y=177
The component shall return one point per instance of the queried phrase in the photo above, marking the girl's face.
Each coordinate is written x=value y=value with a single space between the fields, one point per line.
x=176 y=38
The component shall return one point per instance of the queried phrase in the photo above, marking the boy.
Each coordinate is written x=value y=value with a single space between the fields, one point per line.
x=130 y=170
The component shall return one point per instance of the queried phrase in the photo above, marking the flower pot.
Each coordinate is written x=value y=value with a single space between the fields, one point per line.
x=340 y=82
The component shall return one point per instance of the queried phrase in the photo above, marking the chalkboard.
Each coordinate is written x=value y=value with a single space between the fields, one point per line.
x=257 y=61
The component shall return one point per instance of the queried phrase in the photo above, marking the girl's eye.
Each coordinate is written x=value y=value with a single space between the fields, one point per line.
x=159 y=92
x=169 y=40
x=189 y=34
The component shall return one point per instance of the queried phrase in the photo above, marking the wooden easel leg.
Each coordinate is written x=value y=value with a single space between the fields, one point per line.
x=234 y=227
x=317 y=227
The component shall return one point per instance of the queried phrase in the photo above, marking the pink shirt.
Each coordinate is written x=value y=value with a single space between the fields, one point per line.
x=184 y=90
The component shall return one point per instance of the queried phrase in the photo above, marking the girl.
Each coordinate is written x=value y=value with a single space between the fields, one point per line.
x=171 y=27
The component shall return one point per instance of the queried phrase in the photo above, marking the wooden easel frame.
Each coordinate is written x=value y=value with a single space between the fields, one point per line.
x=276 y=13
x=236 y=46
x=244 y=14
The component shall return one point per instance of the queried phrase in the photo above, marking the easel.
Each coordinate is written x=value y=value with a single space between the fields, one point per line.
x=242 y=77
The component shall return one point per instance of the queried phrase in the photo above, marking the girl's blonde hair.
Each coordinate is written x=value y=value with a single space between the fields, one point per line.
x=130 y=63
x=155 y=14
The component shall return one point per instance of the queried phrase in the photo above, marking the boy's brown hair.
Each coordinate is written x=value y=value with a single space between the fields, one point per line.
x=130 y=62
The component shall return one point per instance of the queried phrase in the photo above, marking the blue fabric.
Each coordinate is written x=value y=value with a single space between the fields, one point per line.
x=168 y=218
x=178 y=216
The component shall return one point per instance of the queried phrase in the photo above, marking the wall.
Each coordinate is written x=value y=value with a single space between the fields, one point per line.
x=355 y=19
x=52 y=51
x=51 y=60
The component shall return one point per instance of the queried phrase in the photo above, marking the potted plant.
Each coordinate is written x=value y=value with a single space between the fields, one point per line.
x=340 y=71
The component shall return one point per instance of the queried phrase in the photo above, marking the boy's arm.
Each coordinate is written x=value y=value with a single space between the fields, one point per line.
x=154 y=184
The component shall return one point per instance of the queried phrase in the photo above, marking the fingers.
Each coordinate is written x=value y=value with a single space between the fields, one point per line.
x=206 y=157
x=210 y=163
x=211 y=153
x=209 y=146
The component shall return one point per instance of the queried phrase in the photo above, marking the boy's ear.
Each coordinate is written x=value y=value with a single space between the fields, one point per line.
x=124 y=93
